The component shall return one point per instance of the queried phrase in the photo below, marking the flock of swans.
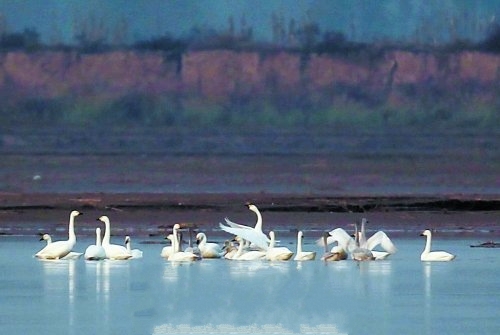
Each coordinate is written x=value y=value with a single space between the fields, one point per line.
x=248 y=243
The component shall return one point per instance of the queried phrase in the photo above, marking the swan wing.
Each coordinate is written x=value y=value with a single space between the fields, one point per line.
x=257 y=238
x=381 y=238
x=338 y=235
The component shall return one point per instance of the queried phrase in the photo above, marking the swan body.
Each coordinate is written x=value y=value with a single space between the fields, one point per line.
x=113 y=251
x=253 y=235
x=250 y=255
x=303 y=255
x=60 y=249
x=168 y=250
x=360 y=252
x=337 y=253
x=229 y=250
x=136 y=253
x=178 y=255
x=277 y=253
x=95 y=251
x=71 y=255
x=207 y=249
x=430 y=256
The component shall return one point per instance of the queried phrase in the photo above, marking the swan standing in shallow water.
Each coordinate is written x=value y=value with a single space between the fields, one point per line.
x=253 y=235
x=95 y=251
x=208 y=249
x=277 y=253
x=303 y=255
x=59 y=249
x=113 y=251
x=430 y=256
x=136 y=253
x=178 y=255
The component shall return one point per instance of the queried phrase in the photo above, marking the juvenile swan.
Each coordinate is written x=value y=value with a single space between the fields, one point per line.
x=59 y=249
x=436 y=256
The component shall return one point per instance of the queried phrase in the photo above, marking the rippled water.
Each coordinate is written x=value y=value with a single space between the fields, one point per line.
x=400 y=295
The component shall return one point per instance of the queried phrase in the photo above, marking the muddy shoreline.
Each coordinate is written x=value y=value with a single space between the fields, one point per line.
x=152 y=215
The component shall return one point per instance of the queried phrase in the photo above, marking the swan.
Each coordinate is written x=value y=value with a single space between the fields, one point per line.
x=428 y=255
x=59 y=249
x=337 y=253
x=250 y=255
x=379 y=238
x=179 y=255
x=360 y=252
x=303 y=255
x=345 y=242
x=168 y=250
x=113 y=251
x=95 y=251
x=136 y=253
x=277 y=253
x=229 y=249
x=253 y=235
x=208 y=249
x=71 y=255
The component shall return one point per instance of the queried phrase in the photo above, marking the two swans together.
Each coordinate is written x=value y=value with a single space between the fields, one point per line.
x=175 y=253
x=60 y=249
x=360 y=247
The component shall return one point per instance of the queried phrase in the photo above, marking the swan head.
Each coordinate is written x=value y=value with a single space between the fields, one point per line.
x=127 y=239
x=177 y=226
x=104 y=219
x=200 y=236
x=300 y=234
x=251 y=207
x=426 y=232
x=75 y=213
x=44 y=237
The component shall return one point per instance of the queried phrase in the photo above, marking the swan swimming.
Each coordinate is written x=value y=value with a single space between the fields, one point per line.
x=208 y=249
x=337 y=253
x=95 y=251
x=253 y=235
x=168 y=250
x=303 y=255
x=250 y=255
x=379 y=238
x=277 y=253
x=136 y=253
x=72 y=255
x=430 y=256
x=360 y=252
x=113 y=251
x=178 y=255
x=60 y=249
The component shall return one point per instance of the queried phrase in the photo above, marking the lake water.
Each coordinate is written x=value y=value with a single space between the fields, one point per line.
x=400 y=295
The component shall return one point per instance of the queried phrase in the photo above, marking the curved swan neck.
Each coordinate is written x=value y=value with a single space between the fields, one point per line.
x=127 y=243
x=258 y=224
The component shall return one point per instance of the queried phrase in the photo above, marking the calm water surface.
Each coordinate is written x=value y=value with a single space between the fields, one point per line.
x=400 y=295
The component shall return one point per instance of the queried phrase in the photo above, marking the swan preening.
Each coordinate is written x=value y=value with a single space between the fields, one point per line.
x=433 y=256
x=60 y=249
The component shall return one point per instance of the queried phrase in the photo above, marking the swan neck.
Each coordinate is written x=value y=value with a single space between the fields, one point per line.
x=71 y=228
x=258 y=224
x=271 y=242
x=428 y=243
x=98 y=241
x=299 y=244
x=107 y=232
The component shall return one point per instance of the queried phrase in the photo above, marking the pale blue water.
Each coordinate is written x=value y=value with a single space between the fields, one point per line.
x=400 y=295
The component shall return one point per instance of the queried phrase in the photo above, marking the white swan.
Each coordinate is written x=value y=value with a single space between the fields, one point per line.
x=59 y=249
x=136 y=253
x=71 y=255
x=113 y=251
x=178 y=255
x=429 y=256
x=208 y=249
x=277 y=253
x=168 y=250
x=345 y=242
x=303 y=255
x=95 y=251
x=247 y=255
x=360 y=253
x=253 y=235
x=379 y=238
x=337 y=253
